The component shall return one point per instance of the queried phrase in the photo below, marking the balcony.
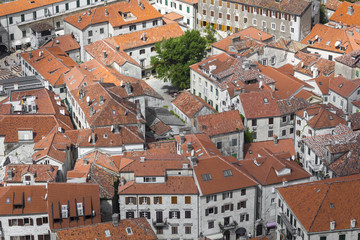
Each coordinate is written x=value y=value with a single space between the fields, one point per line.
x=288 y=225
x=160 y=222
x=316 y=167
x=228 y=226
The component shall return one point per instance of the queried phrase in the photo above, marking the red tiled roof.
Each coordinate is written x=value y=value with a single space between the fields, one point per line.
x=343 y=86
x=190 y=104
x=173 y=185
x=322 y=202
x=152 y=35
x=220 y=123
x=12 y=7
x=341 y=15
x=51 y=63
x=332 y=4
x=323 y=83
x=284 y=145
x=267 y=166
x=67 y=43
x=113 y=15
x=139 y=226
x=41 y=173
x=173 y=16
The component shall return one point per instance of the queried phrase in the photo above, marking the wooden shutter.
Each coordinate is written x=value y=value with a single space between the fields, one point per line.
x=207 y=199
x=140 y=200
x=232 y=207
x=242 y=7
x=32 y=237
x=244 y=204
x=257 y=10
x=134 y=200
x=267 y=12
x=160 y=200
x=294 y=18
x=215 y=198
x=149 y=215
x=10 y=223
x=270 y=13
x=238 y=205
x=148 y=200
x=286 y=16
x=222 y=209
x=31 y=222
x=127 y=200
x=216 y=210
x=40 y=237
x=21 y=222
x=39 y=221
x=231 y=195
x=178 y=214
x=261 y=11
x=206 y=212
x=170 y=215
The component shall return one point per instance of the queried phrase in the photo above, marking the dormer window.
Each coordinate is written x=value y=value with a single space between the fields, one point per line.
x=227 y=173
x=310 y=42
x=206 y=177
x=266 y=100
x=342 y=48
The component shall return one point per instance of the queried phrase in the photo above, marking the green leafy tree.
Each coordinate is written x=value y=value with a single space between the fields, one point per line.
x=248 y=136
x=210 y=35
x=323 y=14
x=175 y=55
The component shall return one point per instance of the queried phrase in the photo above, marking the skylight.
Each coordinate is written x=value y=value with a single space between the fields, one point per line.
x=331 y=117
x=129 y=231
x=266 y=100
x=227 y=173
x=206 y=177
x=340 y=85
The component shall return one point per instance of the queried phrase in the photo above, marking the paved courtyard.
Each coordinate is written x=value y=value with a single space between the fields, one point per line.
x=165 y=89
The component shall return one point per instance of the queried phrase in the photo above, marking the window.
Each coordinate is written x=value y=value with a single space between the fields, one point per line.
x=270 y=133
x=283 y=133
x=254 y=135
x=145 y=215
x=212 y=2
x=236 y=18
x=219 y=145
x=206 y=177
x=159 y=230
x=263 y=24
x=210 y=224
x=220 y=15
x=211 y=198
x=187 y=200
x=227 y=173
x=241 y=204
x=271 y=120
x=212 y=210
x=132 y=27
x=243 y=192
x=234 y=142
x=10 y=20
x=187 y=229
x=57 y=24
x=64 y=211
x=27 y=178
x=292 y=30
x=212 y=13
x=66 y=6
x=228 y=4
x=101 y=30
x=78 y=3
x=188 y=9
x=142 y=51
x=157 y=200
x=155 y=22
x=144 y=200
x=187 y=214
x=244 y=217
x=253 y=122
x=23 y=17
x=174 y=230
x=227 y=195
x=322 y=238
x=254 y=22
x=90 y=33
x=12 y=36
x=24 y=33
x=34 y=15
x=282 y=28
x=129 y=214
x=204 y=12
x=310 y=132
x=273 y=26
x=291 y=130
x=173 y=200
x=228 y=16
x=284 y=119
x=342 y=237
x=80 y=209
x=88 y=2
x=180 y=7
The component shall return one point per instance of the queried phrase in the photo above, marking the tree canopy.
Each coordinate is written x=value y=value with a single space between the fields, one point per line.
x=175 y=55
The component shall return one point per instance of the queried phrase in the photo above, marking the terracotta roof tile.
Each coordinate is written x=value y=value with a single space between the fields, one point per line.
x=332 y=4
x=173 y=16
x=113 y=14
x=220 y=123
x=67 y=43
x=139 y=226
x=311 y=62
x=321 y=202
x=351 y=59
x=190 y=104
x=296 y=7
x=152 y=35
x=341 y=14
x=343 y=86
x=284 y=145
x=41 y=173
x=8 y=8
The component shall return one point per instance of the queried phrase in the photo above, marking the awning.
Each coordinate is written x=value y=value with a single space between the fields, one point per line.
x=215 y=236
x=17 y=42
x=241 y=231
x=271 y=224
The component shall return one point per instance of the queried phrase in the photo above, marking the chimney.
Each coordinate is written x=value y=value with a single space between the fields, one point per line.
x=276 y=139
x=57 y=41
x=16 y=86
x=128 y=88
x=9 y=174
x=79 y=18
x=101 y=100
x=115 y=219
x=62 y=111
x=138 y=111
x=122 y=181
x=143 y=37
x=60 y=129
x=1 y=88
x=127 y=1
x=117 y=48
x=58 y=102
x=88 y=100
x=116 y=128
x=332 y=225
x=315 y=72
x=104 y=54
x=106 y=13
x=139 y=2
x=194 y=160
x=142 y=159
x=189 y=147
x=93 y=138
x=142 y=6
x=89 y=12
x=182 y=138
x=30 y=55
x=350 y=10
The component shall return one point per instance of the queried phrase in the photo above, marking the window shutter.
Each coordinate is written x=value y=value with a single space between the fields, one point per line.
x=247 y=217
x=232 y=207
x=206 y=212
x=257 y=10
x=134 y=198
x=230 y=194
x=252 y=9
x=215 y=198
x=267 y=12
x=155 y=200
x=10 y=223
x=39 y=221
x=140 y=200
x=295 y=18
x=261 y=11
x=21 y=222
x=32 y=237
x=40 y=237
x=207 y=199
x=216 y=210
x=160 y=200
x=244 y=204
x=170 y=215
x=242 y=7
x=148 y=200
x=31 y=221
x=286 y=16
x=239 y=205
x=270 y=13
x=222 y=209
x=126 y=200
x=223 y=196
x=149 y=215
x=178 y=214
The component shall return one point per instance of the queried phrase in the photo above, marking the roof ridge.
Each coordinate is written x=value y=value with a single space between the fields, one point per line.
x=312 y=222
